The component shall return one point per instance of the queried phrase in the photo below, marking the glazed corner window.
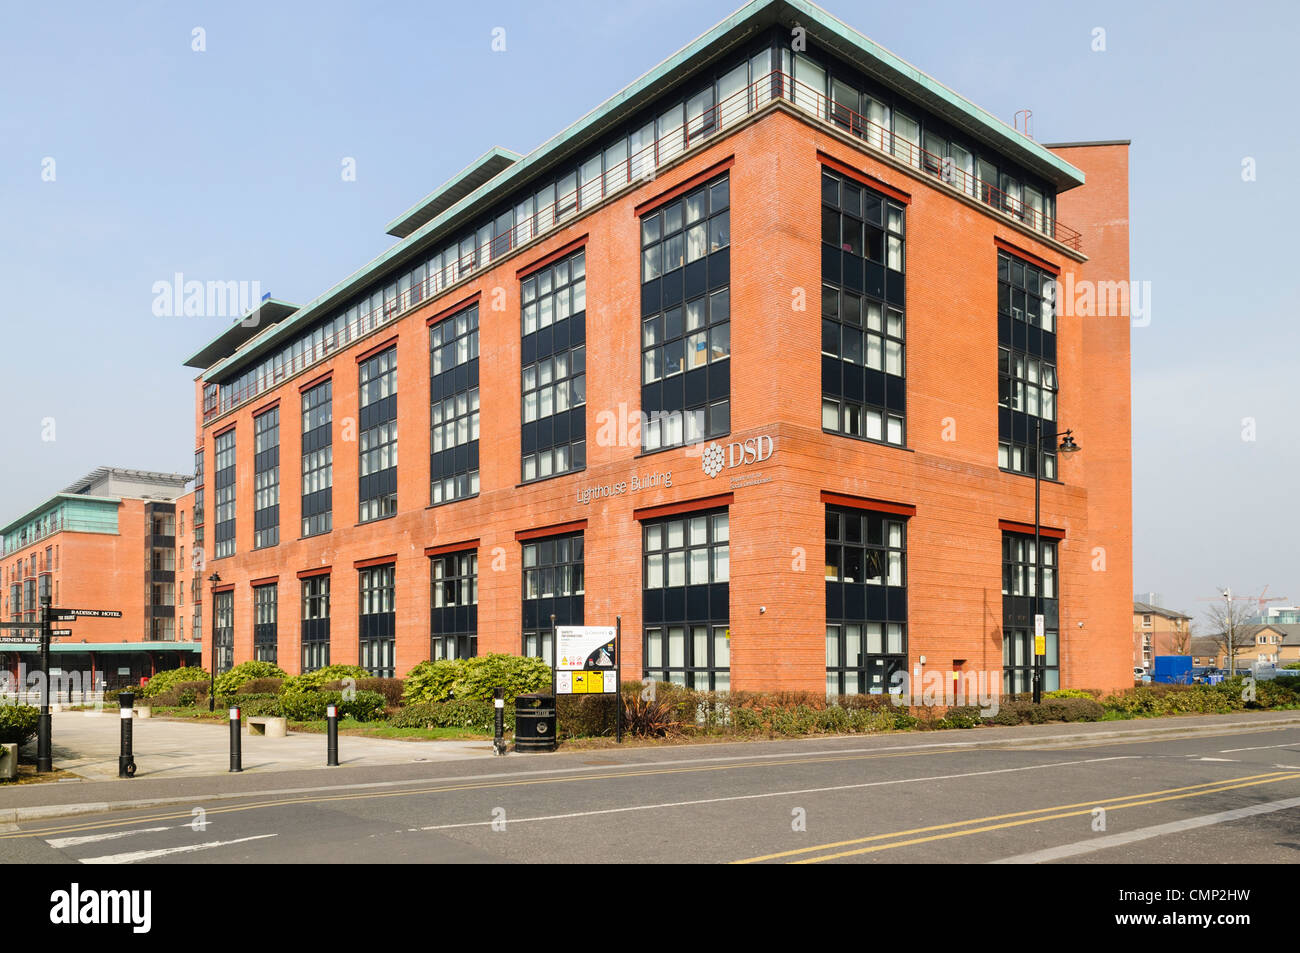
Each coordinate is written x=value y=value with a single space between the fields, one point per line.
x=454 y=407
x=863 y=293
x=266 y=479
x=866 y=600
x=224 y=480
x=686 y=570
x=377 y=486
x=453 y=623
x=1027 y=372
x=554 y=355
x=686 y=318
x=553 y=584
x=1020 y=602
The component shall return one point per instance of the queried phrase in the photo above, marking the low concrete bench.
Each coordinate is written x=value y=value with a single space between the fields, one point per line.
x=268 y=725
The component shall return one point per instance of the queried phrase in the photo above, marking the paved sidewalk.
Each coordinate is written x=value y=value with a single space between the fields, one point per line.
x=87 y=743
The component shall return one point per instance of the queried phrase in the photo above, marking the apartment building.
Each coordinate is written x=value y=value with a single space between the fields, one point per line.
x=105 y=542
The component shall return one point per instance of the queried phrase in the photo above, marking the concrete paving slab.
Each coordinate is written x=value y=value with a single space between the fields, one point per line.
x=87 y=743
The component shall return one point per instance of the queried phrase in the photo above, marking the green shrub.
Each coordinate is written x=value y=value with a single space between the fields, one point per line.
x=261 y=704
x=228 y=683
x=586 y=716
x=1146 y=701
x=518 y=675
x=431 y=681
x=475 y=715
x=18 y=723
x=270 y=685
x=1017 y=711
x=165 y=681
x=390 y=688
x=1071 y=693
x=962 y=716
x=311 y=705
x=314 y=681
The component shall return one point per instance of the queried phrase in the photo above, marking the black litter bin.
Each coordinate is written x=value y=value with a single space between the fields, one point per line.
x=535 y=723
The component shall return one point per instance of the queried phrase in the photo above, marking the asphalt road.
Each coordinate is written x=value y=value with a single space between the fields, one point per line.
x=1231 y=794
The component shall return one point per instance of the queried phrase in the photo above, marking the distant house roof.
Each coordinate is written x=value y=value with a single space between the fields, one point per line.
x=1145 y=608
x=1204 y=645
x=1290 y=632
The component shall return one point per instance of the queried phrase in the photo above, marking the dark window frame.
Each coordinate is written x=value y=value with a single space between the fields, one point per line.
x=224 y=479
x=453 y=402
x=863 y=312
x=685 y=402
x=317 y=487
x=559 y=563
x=553 y=363
x=266 y=479
x=1018 y=589
x=266 y=609
x=377 y=620
x=315 y=622
x=377 y=437
x=863 y=591
x=702 y=544
x=1027 y=329
x=453 y=602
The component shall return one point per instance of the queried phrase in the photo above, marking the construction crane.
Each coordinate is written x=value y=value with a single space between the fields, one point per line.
x=1260 y=601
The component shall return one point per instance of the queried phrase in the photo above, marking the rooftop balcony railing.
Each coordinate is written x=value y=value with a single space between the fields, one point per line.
x=636 y=167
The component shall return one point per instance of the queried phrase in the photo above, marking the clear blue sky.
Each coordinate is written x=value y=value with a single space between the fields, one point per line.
x=225 y=165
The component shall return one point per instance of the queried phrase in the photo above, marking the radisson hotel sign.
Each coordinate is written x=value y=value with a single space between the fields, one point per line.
x=714 y=459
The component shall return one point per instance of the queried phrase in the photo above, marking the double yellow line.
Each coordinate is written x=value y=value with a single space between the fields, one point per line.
x=981 y=825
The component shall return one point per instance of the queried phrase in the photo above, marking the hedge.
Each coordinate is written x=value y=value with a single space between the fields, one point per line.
x=165 y=681
x=390 y=688
x=431 y=681
x=477 y=678
x=475 y=715
x=18 y=723
x=229 y=682
x=310 y=706
x=315 y=681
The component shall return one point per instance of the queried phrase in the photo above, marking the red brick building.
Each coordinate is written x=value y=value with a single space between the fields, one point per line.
x=107 y=541
x=754 y=356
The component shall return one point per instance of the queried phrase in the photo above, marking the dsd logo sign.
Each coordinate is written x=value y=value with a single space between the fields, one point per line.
x=717 y=458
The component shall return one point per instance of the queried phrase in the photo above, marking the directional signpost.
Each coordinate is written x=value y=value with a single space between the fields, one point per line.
x=40 y=633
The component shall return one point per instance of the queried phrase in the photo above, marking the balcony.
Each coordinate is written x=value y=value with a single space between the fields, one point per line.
x=634 y=170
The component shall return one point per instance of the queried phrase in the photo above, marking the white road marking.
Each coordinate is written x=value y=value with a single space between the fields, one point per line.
x=750 y=797
x=139 y=855
x=813 y=749
x=58 y=843
x=1145 y=833
x=1289 y=744
x=1233 y=760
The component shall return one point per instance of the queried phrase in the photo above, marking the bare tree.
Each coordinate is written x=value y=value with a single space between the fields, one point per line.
x=1182 y=638
x=1230 y=626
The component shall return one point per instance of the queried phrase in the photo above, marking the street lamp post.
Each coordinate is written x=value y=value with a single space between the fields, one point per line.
x=212 y=640
x=1067 y=445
